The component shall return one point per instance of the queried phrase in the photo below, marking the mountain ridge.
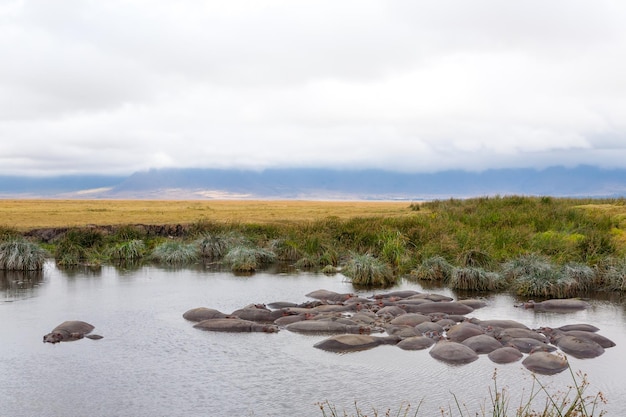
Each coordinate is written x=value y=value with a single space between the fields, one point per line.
x=319 y=183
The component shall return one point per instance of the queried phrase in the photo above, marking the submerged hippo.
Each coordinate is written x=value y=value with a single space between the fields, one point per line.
x=558 y=305
x=545 y=363
x=354 y=342
x=235 y=325
x=69 y=331
x=203 y=313
x=453 y=352
x=505 y=354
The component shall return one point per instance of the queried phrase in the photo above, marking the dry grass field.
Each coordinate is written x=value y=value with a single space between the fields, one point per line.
x=32 y=214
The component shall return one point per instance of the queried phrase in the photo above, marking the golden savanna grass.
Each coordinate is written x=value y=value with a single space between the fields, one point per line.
x=31 y=214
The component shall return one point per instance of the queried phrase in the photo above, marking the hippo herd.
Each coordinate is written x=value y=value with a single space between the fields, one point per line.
x=407 y=319
x=412 y=320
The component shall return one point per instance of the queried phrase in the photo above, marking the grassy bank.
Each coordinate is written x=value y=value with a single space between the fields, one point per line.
x=535 y=246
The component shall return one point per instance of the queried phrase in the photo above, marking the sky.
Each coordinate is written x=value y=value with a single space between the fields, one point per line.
x=114 y=87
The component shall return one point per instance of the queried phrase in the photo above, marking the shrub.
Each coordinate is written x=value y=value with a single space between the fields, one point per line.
x=175 y=253
x=21 y=255
x=367 y=271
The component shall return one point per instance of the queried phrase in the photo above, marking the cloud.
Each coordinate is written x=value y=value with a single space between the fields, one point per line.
x=120 y=86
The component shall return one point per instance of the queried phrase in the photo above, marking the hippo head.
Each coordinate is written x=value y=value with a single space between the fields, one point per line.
x=54 y=337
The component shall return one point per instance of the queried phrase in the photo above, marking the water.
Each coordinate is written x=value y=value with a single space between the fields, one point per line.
x=152 y=362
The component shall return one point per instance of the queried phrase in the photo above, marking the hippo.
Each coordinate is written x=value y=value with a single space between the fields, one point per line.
x=235 y=325
x=400 y=294
x=428 y=327
x=555 y=334
x=505 y=354
x=327 y=295
x=448 y=307
x=326 y=327
x=402 y=331
x=504 y=335
x=203 y=313
x=482 y=343
x=410 y=319
x=453 y=352
x=499 y=323
x=579 y=347
x=431 y=297
x=258 y=313
x=416 y=343
x=528 y=344
x=69 y=331
x=390 y=312
x=354 y=342
x=557 y=305
x=474 y=303
x=277 y=305
x=460 y=332
x=545 y=363
x=579 y=326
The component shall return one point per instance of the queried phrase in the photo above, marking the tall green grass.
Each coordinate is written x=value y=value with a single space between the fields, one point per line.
x=573 y=238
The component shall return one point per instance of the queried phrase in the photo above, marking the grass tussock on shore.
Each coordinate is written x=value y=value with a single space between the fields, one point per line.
x=535 y=246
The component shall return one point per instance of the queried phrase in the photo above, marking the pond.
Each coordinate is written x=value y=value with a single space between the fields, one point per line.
x=152 y=362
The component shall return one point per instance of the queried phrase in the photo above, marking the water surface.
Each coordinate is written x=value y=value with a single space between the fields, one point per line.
x=152 y=362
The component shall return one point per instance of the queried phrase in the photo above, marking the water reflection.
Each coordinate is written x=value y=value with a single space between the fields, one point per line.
x=18 y=285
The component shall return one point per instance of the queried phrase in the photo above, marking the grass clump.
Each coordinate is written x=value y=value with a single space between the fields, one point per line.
x=247 y=259
x=535 y=276
x=21 y=255
x=128 y=251
x=78 y=246
x=477 y=279
x=368 y=271
x=216 y=246
x=435 y=268
x=175 y=253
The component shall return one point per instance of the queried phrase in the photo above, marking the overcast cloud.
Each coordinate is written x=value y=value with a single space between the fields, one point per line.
x=115 y=86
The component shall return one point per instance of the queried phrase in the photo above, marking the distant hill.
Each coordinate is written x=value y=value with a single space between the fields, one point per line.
x=172 y=183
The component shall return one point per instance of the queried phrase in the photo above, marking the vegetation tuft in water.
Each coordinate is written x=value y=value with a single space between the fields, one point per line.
x=368 y=271
x=21 y=255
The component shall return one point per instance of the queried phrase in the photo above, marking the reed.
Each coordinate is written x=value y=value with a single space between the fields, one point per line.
x=571 y=402
x=21 y=255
